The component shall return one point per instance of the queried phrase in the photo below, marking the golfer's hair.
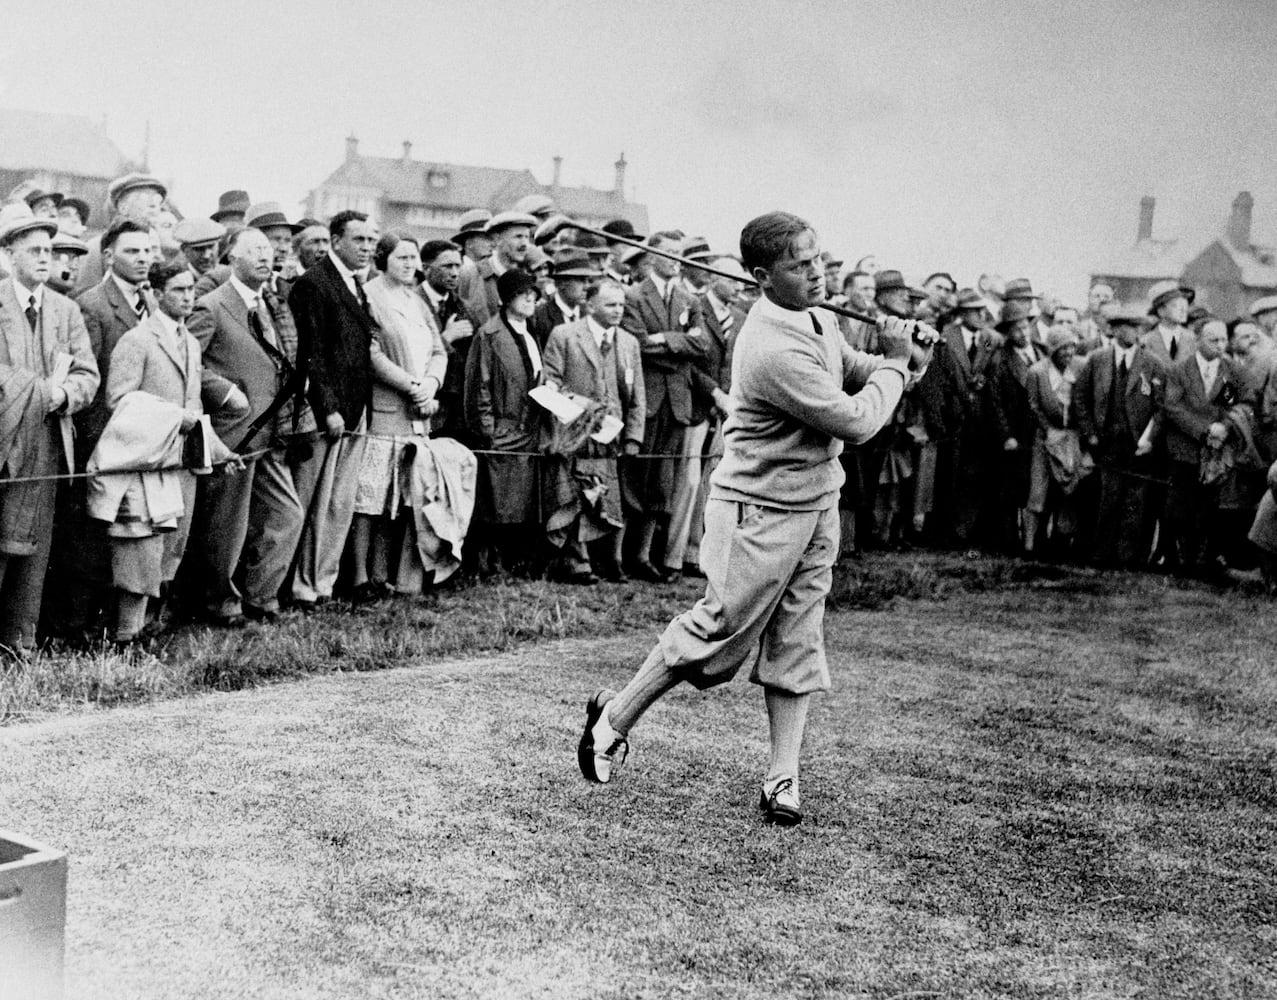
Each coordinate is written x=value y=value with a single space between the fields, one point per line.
x=767 y=239
x=598 y=286
x=164 y=271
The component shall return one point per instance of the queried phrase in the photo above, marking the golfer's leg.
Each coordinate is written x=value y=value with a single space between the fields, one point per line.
x=786 y=719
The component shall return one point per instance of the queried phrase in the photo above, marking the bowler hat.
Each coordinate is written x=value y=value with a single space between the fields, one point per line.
x=131 y=182
x=504 y=220
x=81 y=209
x=194 y=231
x=535 y=204
x=37 y=195
x=1019 y=288
x=471 y=223
x=623 y=228
x=231 y=203
x=969 y=298
x=1267 y=304
x=513 y=283
x=16 y=218
x=575 y=263
x=268 y=215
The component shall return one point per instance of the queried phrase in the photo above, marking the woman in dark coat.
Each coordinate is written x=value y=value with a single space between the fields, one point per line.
x=503 y=364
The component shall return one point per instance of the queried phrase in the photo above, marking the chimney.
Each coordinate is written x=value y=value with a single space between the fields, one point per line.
x=1146 y=217
x=407 y=151
x=620 y=176
x=558 y=172
x=352 y=147
x=1239 y=221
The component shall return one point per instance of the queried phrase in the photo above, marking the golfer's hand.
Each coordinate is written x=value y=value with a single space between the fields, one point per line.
x=1010 y=444
x=895 y=339
x=335 y=425
x=630 y=448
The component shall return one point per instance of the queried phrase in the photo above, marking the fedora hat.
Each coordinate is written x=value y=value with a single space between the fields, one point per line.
x=1164 y=291
x=16 y=218
x=131 y=182
x=890 y=281
x=969 y=298
x=268 y=215
x=575 y=263
x=1019 y=288
x=697 y=248
x=231 y=203
x=37 y=196
x=1014 y=311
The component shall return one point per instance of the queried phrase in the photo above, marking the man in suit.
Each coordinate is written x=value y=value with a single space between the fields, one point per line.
x=249 y=523
x=1013 y=423
x=963 y=366
x=511 y=235
x=268 y=217
x=334 y=329
x=1117 y=407
x=137 y=197
x=198 y=239
x=573 y=271
x=158 y=357
x=441 y=271
x=1169 y=339
x=771 y=525
x=47 y=373
x=80 y=565
x=713 y=384
x=1201 y=391
x=667 y=323
x=595 y=358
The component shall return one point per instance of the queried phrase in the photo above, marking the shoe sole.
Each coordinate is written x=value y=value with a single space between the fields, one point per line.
x=779 y=815
x=585 y=749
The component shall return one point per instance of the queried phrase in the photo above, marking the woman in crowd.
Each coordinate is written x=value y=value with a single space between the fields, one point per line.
x=408 y=363
x=1056 y=464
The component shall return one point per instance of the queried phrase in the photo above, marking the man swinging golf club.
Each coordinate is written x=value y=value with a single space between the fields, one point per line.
x=771 y=522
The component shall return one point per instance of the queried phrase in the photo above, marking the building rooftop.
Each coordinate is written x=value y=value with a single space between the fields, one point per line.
x=63 y=144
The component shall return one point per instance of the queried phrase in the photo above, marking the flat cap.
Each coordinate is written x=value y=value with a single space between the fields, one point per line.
x=66 y=243
x=550 y=228
x=16 y=218
x=194 y=231
x=535 y=204
x=504 y=220
x=131 y=182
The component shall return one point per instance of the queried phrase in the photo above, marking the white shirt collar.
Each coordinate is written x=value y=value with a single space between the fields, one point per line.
x=23 y=294
x=720 y=310
x=597 y=329
x=169 y=323
x=435 y=298
x=347 y=275
x=520 y=326
x=1124 y=352
x=799 y=318
x=1207 y=368
x=568 y=311
x=249 y=296
x=660 y=283
x=129 y=289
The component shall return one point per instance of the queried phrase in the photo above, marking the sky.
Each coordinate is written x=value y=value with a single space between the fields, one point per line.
x=1009 y=138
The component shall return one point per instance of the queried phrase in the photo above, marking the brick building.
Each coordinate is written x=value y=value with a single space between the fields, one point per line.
x=427 y=198
x=1228 y=271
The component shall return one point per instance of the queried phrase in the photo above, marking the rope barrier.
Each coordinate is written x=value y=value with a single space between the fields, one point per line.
x=68 y=476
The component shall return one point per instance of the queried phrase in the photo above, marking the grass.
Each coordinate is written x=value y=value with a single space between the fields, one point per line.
x=1027 y=782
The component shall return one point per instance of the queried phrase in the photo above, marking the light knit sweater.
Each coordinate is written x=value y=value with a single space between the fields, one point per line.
x=798 y=396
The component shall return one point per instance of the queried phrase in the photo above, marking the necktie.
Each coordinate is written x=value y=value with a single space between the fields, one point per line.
x=1121 y=368
x=359 y=289
x=33 y=314
x=606 y=346
x=971 y=351
x=261 y=322
x=140 y=307
x=1174 y=348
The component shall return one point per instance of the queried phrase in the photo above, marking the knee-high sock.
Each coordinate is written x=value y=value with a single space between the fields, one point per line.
x=130 y=614
x=653 y=679
x=787 y=717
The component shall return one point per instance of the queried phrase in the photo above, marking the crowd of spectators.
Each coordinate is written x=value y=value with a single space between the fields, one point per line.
x=237 y=415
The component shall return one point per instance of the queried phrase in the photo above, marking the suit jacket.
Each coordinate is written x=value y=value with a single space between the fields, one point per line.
x=968 y=407
x=146 y=360
x=1047 y=407
x=1012 y=415
x=1190 y=410
x=1186 y=346
x=449 y=421
x=212 y=279
x=498 y=377
x=334 y=334
x=232 y=355
x=108 y=316
x=401 y=320
x=473 y=290
x=574 y=362
x=547 y=316
x=62 y=331
x=1093 y=395
x=667 y=368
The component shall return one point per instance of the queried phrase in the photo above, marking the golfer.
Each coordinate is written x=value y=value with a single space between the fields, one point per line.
x=771 y=522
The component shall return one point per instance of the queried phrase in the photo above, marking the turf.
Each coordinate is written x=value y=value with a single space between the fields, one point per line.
x=1025 y=783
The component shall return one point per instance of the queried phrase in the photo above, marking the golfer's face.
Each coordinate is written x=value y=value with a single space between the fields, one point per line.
x=797 y=280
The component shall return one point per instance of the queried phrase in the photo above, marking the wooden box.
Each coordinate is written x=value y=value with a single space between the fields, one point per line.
x=33 y=905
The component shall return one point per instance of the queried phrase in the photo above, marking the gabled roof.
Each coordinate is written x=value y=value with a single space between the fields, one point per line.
x=1148 y=258
x=62 y=144
x=415 y=182
x=1258 y=264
